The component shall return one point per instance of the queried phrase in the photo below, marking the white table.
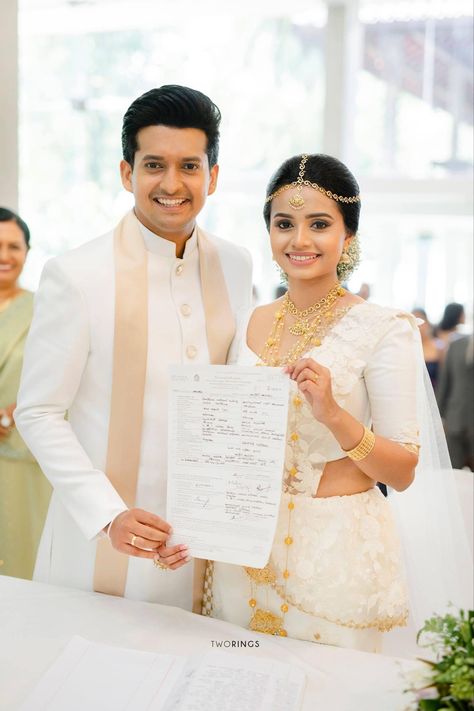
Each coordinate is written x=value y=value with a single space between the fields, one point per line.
x=37 y=621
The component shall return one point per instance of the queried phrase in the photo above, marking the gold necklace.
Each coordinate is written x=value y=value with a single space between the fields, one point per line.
x=311 y=331
x=302 y=316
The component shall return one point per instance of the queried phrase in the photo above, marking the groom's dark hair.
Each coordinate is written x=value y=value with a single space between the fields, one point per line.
x=175 y=106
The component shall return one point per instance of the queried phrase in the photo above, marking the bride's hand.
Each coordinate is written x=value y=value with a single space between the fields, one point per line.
x=173 y=557
x=314 y=381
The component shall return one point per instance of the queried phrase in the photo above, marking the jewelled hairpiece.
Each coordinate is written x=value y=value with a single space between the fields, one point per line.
x=297 y=201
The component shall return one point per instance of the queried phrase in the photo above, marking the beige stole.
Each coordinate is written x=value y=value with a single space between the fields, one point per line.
x=129 y=372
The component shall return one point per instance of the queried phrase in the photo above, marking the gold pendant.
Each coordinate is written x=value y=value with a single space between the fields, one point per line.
x=266 y=622
x=296 y=202
x=300 y=328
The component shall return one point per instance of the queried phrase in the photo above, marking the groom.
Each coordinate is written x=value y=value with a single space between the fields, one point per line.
x=110 y=317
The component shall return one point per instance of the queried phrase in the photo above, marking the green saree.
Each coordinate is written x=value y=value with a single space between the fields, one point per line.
x=24 y=490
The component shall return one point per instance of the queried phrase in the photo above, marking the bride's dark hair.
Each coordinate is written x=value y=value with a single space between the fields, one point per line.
x=330 y=174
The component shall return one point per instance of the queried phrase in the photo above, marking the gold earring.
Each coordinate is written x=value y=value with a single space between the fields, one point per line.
x=283 y=275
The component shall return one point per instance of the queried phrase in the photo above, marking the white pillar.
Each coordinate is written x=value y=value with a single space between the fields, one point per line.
x=423 y=243
x=342 y=63
x=9 y=104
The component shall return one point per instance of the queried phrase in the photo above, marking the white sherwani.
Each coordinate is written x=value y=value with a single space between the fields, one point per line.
x=68 y=369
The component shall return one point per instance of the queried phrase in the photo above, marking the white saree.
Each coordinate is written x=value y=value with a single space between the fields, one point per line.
x=342 y=580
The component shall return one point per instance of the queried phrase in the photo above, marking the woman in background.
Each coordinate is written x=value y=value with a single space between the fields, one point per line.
x=24 y=491
x=447 y=329
x=432 y=347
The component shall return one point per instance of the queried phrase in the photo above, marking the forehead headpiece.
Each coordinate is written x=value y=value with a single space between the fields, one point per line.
x=297 y=201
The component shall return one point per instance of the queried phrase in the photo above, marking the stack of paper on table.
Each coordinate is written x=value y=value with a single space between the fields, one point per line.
x=97 y=677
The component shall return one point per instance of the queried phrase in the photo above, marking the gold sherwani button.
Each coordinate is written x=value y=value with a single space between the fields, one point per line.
x=186 y=309
x=179 y=269
x=191 y=351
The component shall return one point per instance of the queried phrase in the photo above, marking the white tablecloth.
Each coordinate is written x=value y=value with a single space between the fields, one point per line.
x=37 y=621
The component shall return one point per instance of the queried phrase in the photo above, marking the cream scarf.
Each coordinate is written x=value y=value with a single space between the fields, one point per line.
x=129 y=372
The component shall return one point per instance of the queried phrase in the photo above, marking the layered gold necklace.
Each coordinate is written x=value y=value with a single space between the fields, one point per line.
x=311 y=325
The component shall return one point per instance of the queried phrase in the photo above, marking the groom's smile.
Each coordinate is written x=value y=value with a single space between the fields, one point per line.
x=170 y=180
x=171 y=204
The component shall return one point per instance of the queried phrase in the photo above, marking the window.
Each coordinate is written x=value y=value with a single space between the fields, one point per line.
x=264 y=70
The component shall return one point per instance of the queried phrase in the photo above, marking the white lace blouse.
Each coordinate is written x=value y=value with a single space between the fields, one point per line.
x=371 y=354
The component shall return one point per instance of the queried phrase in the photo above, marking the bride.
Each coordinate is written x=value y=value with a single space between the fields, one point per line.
x=335 y=572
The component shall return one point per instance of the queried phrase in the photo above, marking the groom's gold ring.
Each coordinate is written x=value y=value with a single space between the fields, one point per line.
x=314 y=377
x=134 y=538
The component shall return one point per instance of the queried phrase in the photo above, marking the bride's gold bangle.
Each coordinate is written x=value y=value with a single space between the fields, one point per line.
x=364 y=447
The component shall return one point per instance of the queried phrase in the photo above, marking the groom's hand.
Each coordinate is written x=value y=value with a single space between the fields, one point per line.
x=138 y=533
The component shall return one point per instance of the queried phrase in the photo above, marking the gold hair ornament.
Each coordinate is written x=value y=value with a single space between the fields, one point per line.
x=297 y=201
x=350 y=259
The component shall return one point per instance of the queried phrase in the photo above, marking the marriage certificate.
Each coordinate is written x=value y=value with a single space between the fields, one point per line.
x=226 y=449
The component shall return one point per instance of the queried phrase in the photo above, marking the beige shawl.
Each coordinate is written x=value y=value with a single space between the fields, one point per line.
x=129 y=372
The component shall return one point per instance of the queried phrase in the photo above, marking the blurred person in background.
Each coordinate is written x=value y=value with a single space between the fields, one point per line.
x=456 y=401
x=432 y=347
x=255 y=295
x=24 y=490
x=364 y=291
x=447 y=329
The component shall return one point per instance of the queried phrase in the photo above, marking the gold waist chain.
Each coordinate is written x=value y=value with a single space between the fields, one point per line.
x=263 y=620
